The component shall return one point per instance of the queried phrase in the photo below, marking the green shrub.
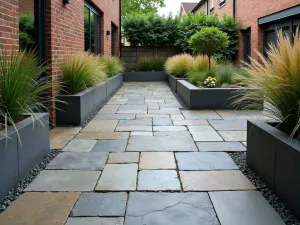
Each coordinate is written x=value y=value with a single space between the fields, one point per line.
x=201 y=63
x=197 y=77
x=145 y=64
x=114 y=65
x=26 y=31
x=80 y=71
x=179 y=65
x=226 y=73
x=22 y=88
x=155 y=63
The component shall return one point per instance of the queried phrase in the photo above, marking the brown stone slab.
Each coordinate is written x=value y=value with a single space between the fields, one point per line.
x=190 y=122
x=102 y=135
x=40 y=209
x=157 y=160
x=101 y=126
x=60 y=141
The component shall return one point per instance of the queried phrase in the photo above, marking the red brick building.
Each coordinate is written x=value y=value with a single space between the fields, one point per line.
x=63 y=27
x=259 y=20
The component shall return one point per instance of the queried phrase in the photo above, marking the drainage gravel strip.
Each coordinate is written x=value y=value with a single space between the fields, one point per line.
x=240 y=159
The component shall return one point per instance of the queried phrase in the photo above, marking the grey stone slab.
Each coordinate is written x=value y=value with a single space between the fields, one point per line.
x=220 y=146
x=162 y=122
x=95 y=221
x=170 y=209
x=169 y=128
x=80 y=145
x=158 y=180
x=141 y=133
x=234 y=135
x=78 y=161
x=166 y=141
x=110 y=146
x=115 y=116
x=229 y=124
x=132 y=107
x=118 y=177
x=139 y=121
x=205 y=161
x=64 y=180
x=167 y=111
x=153 y=105
x=244 y=207
x=100 y=204
x=123 y=157
x=134 y=128
x=204 y=133
x=200 y=114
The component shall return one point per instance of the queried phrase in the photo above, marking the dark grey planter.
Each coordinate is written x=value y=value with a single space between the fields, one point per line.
x=173 y=82
x=16 y=159
x=75 y=109
x=145 y=76
x=113 y=84
x=210 y=98
x=275 y=157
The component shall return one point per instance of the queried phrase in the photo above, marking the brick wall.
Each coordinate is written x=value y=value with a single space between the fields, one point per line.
x=9 y=24
x=227 y=8
x=26 y=6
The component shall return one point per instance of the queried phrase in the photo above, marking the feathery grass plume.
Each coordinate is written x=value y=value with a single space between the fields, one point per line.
x=82 y=70
x=197 y=77
x=114 y=65
x=155 y=63
x=23 y=88
x=179 y=65
x=201 y=63
x=145 y=64
x=226 y=73
x=277 y=82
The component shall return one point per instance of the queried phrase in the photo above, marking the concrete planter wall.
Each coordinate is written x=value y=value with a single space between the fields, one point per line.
x=173 y=82
x=75 y=109
x=209 y=98
x=276 y=159
x=113 y=84
x=145 y=76
x=16 y=159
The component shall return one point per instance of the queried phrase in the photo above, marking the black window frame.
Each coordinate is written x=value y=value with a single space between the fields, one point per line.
x=222 y=3
x=247 y=48
x=114 y=29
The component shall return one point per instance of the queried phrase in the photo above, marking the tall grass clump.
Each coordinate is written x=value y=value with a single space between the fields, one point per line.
x=155 y=63
x=197 y=77
x=23 y=88
x=179 y=65
x=226 y=73
x=277 y=82
x=201 y=63
x=80 y=71
x=114 y=65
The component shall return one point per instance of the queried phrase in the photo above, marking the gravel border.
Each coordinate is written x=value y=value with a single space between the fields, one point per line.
x=240 y=159
x=21 y=185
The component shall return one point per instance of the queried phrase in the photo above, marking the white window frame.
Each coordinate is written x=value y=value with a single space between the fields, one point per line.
x=212 y=4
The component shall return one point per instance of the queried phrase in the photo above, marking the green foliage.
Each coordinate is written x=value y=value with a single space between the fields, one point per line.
x=82 y=70
x=22 y=88
x=179 y=65
x=152 y=63
x=26 y=28
x=113 y=65
x=210 y=82
x=197 y=77
x=226 y=73
x=141 y=6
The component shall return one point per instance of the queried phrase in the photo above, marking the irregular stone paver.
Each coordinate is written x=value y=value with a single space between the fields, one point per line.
x=169 y=128
x=162 y=122
x=101 y=126
x=100 y=204
x=205 y=161
x=170 y=209
x=152 y=116
x=110 y=110
x=141 y=133
x=133 y=107
x=244 y=143
x=244 y=115
x=169 y=142
x=158 y=180
x=60 y=136
x=134 y=128
x=64 y=131
x=123 y=157
x=140 y=121
x=92 y=161
x=118 y=177
x=80 y=146
x=214 y=180
x=167 y=111
x=234 y=135
x=177 y=117
x=40 y=209
x=95 y=221
x=110 y=146
x=220 y=146
x=153 y=105
x=204 y=133
x=200 y=114
x=157 y=160
x=102 y=135
x=229 y=124
x=115 y=117
x=246 y=207
x=190 y=122
x=64 y=180
x=132 y=111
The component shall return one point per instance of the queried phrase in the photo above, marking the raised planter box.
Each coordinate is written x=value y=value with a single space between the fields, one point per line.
x=16 y=159
x=173 y=82
x=113 y=84
x=275 y=157
x=210 y=98
x=75 y=109
x=145 y=76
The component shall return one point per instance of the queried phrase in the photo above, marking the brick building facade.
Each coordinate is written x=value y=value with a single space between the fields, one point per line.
x=61 y=29
x=259 y=20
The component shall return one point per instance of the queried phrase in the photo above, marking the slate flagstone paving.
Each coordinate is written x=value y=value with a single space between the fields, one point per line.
x=146 y=160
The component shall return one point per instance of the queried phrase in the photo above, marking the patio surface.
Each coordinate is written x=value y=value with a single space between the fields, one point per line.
x=143 y=160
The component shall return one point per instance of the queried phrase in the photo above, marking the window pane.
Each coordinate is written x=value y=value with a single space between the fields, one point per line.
x=93 y=33
x=86 y=28
x=212 y=4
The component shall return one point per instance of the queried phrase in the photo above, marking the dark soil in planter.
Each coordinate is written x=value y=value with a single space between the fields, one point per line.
x=287 y=216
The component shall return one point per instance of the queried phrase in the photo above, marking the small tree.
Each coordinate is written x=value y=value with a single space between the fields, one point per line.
x=208 y=41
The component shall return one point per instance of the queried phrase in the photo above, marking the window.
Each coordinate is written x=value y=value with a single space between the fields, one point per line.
x=247 y=45
x=92 y=38
x=114 y=30
x=222 y=2
x=205 y=8
x=212 y=6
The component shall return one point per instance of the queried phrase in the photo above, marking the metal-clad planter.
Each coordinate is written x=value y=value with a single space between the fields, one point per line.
x=173 y=82
x=275 y=157
x=75 y=109
x=145 y=76
x=210 y=98
x=16 y=159
x=113 y=84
